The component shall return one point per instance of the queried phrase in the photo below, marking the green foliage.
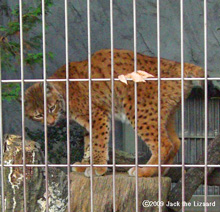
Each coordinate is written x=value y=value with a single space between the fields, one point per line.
x=11 y=91
x=32 y=40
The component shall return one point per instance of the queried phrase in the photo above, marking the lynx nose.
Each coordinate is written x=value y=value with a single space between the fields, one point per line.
x=50 y=120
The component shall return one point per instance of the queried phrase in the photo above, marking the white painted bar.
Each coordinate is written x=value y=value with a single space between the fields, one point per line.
x=159 y=105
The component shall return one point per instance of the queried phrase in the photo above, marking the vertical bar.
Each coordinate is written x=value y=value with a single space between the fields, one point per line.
x=67 y=100
x=206 y=102
x=1 y=136
x=135 y=103
x=90 y=102
x=159 y=105
x=113 y=102
x=22 y=101
x=45 y=103
x=182 y=102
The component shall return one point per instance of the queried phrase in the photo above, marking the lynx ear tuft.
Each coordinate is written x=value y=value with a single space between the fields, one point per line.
x=49 y=87
x=19 y=100
x=41 y=84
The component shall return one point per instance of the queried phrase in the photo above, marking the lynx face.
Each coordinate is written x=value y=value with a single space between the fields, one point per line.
x=34 y=104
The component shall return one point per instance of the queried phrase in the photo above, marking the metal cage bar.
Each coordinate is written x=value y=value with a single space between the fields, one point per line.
x=116 y=165
x=22 y=102
x=1 y=138
x=90 y=102
x=45 y=102
x=135 y=103
x=113 y=103
x=182 y=101
x=159 y=105
x=206 y=105
x=67 y=100
x=108 y=79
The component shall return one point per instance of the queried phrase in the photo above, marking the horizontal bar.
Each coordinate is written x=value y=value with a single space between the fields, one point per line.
x=196 y=137
x=111 y=165
x=103 y=79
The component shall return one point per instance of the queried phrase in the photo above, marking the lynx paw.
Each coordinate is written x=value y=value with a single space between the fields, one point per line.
x=143 y=172
x=132 y=172
x=99 y=171
x=77 y=168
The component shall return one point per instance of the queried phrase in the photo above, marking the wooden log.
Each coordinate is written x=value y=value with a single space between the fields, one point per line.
x=175 y=173
x=35 y=179
x=124 y=194
x=194 y=177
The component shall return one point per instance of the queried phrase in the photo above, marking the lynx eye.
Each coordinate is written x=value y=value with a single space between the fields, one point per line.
x=39 y=116
x=51 y=109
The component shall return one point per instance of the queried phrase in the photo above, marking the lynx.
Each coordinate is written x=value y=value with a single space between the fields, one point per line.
x=147 y=104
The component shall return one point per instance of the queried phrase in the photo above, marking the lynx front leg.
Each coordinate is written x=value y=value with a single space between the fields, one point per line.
x=86 y=156
x=100 y=138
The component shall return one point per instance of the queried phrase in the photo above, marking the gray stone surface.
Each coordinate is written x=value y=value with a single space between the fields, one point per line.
x=123 y=37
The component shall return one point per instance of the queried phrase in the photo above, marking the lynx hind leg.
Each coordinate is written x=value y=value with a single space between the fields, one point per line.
x=152 y=143
x=86 y=157
x=148 y=131
x=174 y=139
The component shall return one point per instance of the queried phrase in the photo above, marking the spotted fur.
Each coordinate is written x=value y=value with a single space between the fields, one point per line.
x=124 y=103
